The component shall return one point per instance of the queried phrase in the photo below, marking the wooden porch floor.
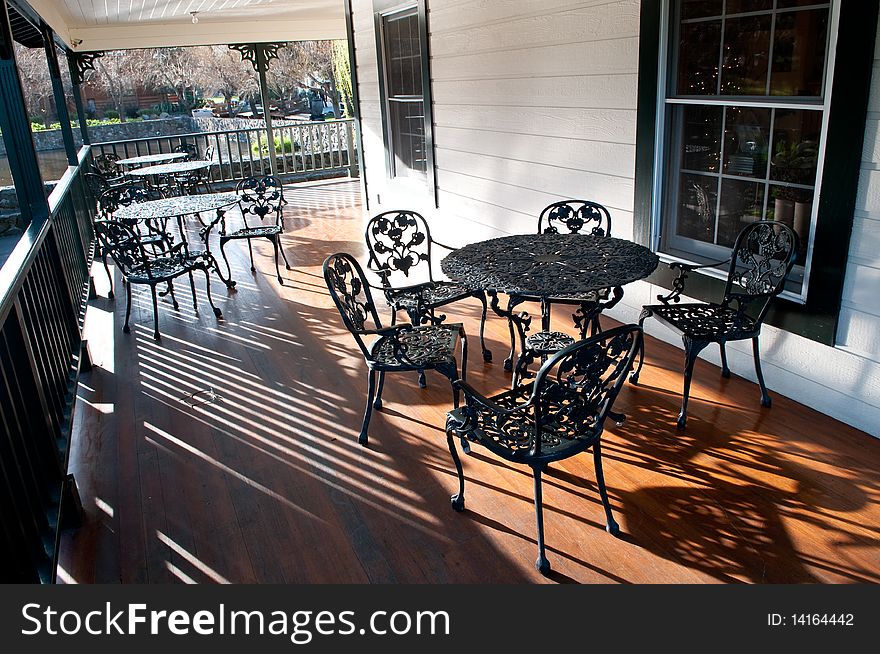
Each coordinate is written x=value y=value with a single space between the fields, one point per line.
x=269 y=485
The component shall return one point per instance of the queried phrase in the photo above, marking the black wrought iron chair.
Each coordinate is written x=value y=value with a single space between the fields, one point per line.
x=560 y=413
x=97 y=184
x=566 y=217
x=153 y=235
x=260 y=198
x=139 y=266
x=398 y=348
x=189 y=149
x=763 y=255
x=105 y=165
x=400 y=245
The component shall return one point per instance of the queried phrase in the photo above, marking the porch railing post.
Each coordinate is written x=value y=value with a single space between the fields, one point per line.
x=58 y=91
x=262 y=67
x=15 y=126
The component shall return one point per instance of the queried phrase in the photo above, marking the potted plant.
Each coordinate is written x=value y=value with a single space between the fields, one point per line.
x=794 y=163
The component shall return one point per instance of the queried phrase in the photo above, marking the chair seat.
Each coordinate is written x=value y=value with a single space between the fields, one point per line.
x=548 y=342
x=570 y=422
x=255 y=232
x=160 y=268
x=431 y=295
x=706 y=321
x=421 y=347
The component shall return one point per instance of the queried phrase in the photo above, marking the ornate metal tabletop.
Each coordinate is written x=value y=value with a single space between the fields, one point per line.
x=148 y=159
x=549 y=265
x=183 y=205
x=172 y=168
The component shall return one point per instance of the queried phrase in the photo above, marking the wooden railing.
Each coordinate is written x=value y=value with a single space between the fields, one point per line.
x=301 y=148
x=44 y=289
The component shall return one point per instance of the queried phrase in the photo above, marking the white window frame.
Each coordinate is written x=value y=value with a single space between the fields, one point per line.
x=661 y=188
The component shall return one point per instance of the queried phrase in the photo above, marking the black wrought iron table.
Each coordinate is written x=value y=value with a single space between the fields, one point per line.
x=180 y=207
x=173 y=168
x=546 y=266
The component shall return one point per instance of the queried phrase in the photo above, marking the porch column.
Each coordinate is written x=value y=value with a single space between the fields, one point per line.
x=15 y=125
x=58 y=92
x=260 y=54
x=79 y=64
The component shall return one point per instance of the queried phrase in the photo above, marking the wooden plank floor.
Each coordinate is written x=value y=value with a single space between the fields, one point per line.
x=268 y=484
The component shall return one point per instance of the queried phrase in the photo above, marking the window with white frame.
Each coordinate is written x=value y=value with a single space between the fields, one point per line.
x=744 y=116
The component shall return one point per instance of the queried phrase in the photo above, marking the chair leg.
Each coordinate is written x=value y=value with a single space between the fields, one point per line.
x=458 y=498
x=377 y=404
x=691 y=350
x=125 y=327
x=217 y=311
x=173 y=299
x=192 y=287
x=634 y=375
x=109 y=276
x=283 y=256
x=277 y=269
x=542 y=565
x=756 y=349
x=251 y=253
x=611 y=525
x=725 y=370
x=508 y=362
x=155 y=312
x=223 y=242
x=371 y=392
x=487 y=354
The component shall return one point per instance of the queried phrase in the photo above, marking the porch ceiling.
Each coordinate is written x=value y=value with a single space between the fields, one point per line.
x=121 y=24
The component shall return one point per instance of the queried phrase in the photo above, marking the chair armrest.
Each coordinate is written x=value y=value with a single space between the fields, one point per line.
x=387 y=331
x=472 y=394
x=443 y=245
x=678 y=283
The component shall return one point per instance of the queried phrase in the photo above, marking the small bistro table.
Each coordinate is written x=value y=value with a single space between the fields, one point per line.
x=187 y=205
x=546 y=266
x=150 y=159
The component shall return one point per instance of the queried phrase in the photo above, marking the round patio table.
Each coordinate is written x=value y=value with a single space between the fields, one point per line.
x=174 y=168
x=150 y=159
x=544 y=267
x=178 y=208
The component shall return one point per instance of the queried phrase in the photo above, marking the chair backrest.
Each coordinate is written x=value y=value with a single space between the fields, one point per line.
x=575 y=217
x=576 y=388
x=97 y=184
x=763 y=254
x=121 y=196
x=261 y=196
x=123 y=244
x=399 y=243
x=209 y=153
x=106 y=165
x=189 y=149
x=350 y=291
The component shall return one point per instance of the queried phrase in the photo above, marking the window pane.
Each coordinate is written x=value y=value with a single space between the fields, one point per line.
x=408 y=139
x=742 y=202
x=698 y=53
x=701 y=137
x=696 y=207
x=740 y=6
x=799 y=53
x=794 y=207
x=746 y=53
x=785 y=4
x=700 y=8
x=795 y=146
x=746 y=140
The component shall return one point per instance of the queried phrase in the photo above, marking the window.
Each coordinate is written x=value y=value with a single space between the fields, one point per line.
x=743 y=114
x=405 y=92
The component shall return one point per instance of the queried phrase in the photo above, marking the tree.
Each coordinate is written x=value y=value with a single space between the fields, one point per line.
x=118 y=73
x=342 y=75
x=217 y=69
x=34 y=73
x=171 y=70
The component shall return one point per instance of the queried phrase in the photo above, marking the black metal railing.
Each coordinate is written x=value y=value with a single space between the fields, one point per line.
x=43 y=295
x=302 y=148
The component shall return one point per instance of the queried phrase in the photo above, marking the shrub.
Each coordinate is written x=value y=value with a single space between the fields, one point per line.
x=283 y=145
x=111 y=114
x=131 y=112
